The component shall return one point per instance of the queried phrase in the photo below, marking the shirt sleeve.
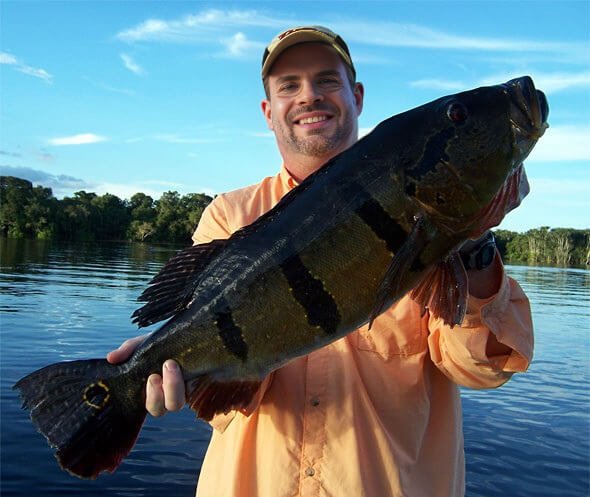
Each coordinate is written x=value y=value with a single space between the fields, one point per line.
x=214 y=225
x=460 y=352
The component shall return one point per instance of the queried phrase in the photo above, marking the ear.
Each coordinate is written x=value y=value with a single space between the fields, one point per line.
x=267 y=111
x=359 y=95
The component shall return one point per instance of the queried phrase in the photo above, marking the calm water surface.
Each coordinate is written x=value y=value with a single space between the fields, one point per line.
x=57 y=302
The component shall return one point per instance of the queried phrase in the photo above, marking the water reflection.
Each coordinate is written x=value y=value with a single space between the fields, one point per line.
x=67 y=301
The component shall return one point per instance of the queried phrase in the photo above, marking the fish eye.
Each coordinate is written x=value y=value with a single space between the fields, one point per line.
x=457 y=113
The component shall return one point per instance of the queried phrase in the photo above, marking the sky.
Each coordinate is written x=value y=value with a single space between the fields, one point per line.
x=136 y=96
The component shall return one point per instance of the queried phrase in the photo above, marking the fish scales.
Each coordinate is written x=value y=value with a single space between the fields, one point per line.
x=333 y=275
x=381 y=219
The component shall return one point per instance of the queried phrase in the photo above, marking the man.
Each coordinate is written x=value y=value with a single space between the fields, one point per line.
x=376 y=413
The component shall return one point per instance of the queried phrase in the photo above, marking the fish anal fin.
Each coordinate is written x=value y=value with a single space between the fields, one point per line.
x=406 y=259
x=208 y=397
x=443 y=291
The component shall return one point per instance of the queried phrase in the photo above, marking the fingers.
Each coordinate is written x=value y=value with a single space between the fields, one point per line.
x=173 y=383
x=154 y=397
x=167 y=392
x=163 y=393
x=125 y=350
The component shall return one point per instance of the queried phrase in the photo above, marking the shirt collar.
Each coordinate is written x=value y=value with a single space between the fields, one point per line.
x=289 y=181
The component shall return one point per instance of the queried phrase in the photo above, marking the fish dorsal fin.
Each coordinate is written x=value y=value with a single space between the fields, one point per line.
x=173 y=287
x=443 y=291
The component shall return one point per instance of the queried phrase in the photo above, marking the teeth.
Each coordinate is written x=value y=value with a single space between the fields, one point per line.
x=309 y=120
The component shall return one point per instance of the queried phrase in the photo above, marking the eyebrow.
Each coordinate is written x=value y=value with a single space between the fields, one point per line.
x=294 y=77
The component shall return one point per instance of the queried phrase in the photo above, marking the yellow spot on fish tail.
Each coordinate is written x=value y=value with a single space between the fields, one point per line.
x=97 y=395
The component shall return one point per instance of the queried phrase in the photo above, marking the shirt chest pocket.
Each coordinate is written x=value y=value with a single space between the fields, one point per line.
x=399 y=331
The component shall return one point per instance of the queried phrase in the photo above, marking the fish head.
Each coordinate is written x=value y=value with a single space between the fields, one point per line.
x=469 y=170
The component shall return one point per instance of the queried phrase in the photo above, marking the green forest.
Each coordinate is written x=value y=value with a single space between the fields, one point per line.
x=28 y=211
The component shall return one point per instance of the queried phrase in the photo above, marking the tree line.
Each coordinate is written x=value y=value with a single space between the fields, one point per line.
x=28 y=211
x=546 y=246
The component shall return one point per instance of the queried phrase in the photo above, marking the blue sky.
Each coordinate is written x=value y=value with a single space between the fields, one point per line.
x=125 y=96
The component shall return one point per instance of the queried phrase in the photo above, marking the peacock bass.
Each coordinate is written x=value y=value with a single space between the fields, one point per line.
x=381 y=219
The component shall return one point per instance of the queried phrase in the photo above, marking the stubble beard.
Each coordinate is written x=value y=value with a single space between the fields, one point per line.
x=317 y=143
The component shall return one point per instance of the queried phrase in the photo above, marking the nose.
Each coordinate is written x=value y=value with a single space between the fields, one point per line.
x=309 y=93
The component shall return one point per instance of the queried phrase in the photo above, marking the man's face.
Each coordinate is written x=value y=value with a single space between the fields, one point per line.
x=312 y=108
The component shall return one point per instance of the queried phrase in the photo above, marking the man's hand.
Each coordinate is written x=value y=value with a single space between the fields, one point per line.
x=483 y=283
x=163 y=393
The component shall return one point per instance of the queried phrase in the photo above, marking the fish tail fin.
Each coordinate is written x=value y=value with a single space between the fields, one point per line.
x=87 y=410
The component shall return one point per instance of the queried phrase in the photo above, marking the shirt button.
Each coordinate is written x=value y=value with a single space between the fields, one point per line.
x=310 y=472
x=315 y=402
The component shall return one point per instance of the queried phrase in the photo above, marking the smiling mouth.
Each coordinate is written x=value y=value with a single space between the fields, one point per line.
x=312 y=120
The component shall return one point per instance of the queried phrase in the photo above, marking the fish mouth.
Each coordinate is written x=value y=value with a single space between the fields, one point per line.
x=528 y=114
x=528 y=118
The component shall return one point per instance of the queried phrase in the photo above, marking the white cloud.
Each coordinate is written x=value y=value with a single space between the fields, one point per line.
x=60 y=184
x=239 y=45
x=203 y=26
x=80 y=139
x=130 y=64
x=9 y=59
x=548 y=82
x=413 y=35
x=36 y=72
x=563 y=143
x=574 y=190
x=208 y=25
x=63 y=185
x=154 y=189
x=365 y=131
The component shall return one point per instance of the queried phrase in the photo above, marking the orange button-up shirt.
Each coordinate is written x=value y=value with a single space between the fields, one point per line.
x=376 y=413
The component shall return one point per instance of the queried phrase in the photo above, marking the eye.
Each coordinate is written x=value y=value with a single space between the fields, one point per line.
x=328 y=81
x=288 y=88
x=457 y=113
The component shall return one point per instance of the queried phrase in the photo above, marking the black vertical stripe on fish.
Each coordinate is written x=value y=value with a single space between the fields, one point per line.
x=434 y=152
x=230 y=333
x=382 y=224
x=319 y=305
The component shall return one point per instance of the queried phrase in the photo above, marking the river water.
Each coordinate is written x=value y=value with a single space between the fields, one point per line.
x=530 y=438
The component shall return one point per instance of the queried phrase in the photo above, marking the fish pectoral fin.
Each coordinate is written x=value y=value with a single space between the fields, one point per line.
x=208 y=397
x=443 y=291
x=405 y=260
x=173 y=287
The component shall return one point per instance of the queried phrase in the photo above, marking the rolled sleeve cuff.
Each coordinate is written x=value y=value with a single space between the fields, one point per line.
x=507 y=315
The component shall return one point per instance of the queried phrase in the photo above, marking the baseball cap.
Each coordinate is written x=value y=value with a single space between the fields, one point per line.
x=303 y=34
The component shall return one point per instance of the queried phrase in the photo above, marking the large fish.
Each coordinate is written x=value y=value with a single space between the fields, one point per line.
x=381 y=219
